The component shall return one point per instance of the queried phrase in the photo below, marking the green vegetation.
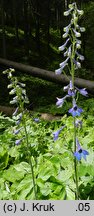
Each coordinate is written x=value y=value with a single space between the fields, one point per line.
x=30 y=33
x=53 y=167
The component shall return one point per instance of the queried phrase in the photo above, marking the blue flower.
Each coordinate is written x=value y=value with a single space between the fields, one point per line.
x=61 y=48
x=80 y=152
x=17 y=131
x=19 y=119
x=77 y=34
x=78 y=123
x=17 y=142
x=56 y=133
x=75 y=110
x=15 y=112
x=36 y=120
x=82 y=91
x=78 y=64
x=69 y=88
x=81 y=57
x=58 y=71
x=60 y=101
x=64 y=63
x=71 y=91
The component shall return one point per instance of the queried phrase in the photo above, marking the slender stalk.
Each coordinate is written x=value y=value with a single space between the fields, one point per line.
x=74 y=139
x=29 y=157
x=75 y=165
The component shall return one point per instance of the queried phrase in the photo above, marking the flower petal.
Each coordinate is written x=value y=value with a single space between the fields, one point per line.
x=77 y=155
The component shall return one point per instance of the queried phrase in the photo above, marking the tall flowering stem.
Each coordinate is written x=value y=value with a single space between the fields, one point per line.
x=71 y=48
x=20 y=99
x=29 y=156
x=72 y=69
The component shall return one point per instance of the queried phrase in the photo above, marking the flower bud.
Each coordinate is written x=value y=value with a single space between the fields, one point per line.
x=80 y=12
x=77 y=34
x=71 y=6
x=13 y=91
x=9 y=75
x=65 y=35
x=10 y=86
x=58 y=71
x=66 y=29
x=66 y=13
x=78 y=46
x=13 y=102
x=61 y=48
x=15 y=112
x=21 y=84
x=82 y=29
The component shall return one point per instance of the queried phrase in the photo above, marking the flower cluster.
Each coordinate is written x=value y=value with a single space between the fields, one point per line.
x=71 y=48
x=72 y=33
x=75 y=110
x=19 y=99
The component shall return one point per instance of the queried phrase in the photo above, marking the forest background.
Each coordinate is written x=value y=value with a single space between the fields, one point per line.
x=31 y=32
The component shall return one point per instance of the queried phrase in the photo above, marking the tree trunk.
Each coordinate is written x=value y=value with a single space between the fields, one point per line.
x=48 y=75
x=26 y=28
x=3 y=29
x=15 y=10
x=48 y=25
x=37 y=26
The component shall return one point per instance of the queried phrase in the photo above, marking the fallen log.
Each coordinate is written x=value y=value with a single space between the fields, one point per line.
x=47 y=75
x=8 y=111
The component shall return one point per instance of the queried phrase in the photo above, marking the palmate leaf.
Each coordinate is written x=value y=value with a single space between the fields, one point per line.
x=70 y=195
x=16 y=172
x=5 y=122
x=13 y=152
x=46 y=170
x=51 y=189
x=24 y=187
x=64 y=175
x=4 y=157
x=23 y=166
x=45 y=190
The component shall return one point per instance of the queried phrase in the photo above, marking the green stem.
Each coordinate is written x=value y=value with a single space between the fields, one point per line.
x=75 y=162
x=75 y=165
x=29 y=157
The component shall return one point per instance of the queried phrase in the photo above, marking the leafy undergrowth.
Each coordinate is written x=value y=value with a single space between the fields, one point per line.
x=52 y=160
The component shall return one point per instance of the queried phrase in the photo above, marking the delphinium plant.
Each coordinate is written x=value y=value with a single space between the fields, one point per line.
x=72 y=60
x=17 y=90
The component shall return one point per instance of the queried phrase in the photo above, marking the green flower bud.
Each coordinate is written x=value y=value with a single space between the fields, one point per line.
x=80 y=12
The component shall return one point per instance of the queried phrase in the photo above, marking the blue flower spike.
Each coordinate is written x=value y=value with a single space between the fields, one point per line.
x=80 y=153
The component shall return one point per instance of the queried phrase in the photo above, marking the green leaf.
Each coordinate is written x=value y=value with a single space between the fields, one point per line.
x=46 y=170
x=69 y=194
x=13 y=175
x=46 y=189
x=4 y=157
x=64 y=175
x=23 y=167
x=21 y=189
x=82 y=170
